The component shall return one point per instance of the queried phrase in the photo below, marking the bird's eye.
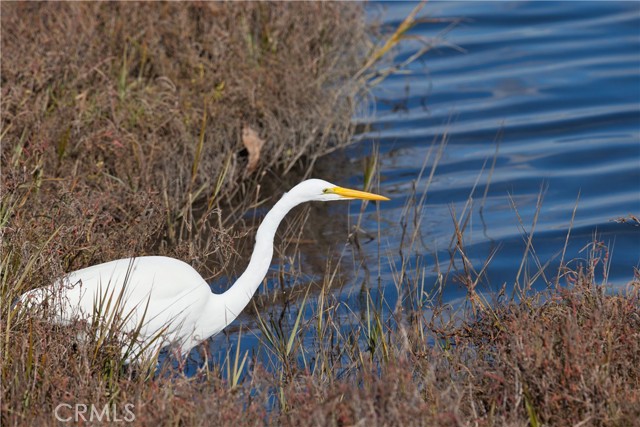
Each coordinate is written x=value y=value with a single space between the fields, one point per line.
x=326 y=190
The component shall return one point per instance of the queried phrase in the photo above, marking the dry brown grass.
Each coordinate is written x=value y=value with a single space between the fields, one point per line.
x=566 y=356
x=571 y=357
x=122 y=122
x=570 y=360
x=122 y=135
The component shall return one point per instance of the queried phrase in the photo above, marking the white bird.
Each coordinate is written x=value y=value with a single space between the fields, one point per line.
x=163 y=301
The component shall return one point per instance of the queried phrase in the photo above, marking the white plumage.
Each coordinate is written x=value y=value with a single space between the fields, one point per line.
x=165 y=301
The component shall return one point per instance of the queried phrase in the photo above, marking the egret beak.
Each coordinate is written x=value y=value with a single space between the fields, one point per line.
x=355 y=194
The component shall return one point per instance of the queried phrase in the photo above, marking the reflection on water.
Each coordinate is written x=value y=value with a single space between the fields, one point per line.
x=543 y=100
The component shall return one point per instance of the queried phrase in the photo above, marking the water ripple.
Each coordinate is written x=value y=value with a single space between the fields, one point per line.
x=561 y=81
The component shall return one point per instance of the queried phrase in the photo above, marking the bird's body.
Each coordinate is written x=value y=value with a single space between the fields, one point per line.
x=163 y=296
x=164 y=300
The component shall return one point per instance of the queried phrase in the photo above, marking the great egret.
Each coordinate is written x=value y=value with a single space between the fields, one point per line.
x=164 y=300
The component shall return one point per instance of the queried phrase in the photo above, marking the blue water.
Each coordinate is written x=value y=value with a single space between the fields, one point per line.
x=550 y=92
x=557 y=84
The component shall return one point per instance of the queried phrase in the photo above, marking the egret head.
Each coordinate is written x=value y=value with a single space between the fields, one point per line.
x=323 y=191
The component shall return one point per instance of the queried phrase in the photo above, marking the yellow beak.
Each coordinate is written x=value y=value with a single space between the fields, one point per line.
x=355 y=194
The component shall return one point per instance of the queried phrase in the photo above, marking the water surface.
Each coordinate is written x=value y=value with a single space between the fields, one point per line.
x=554 y=88
x=536 y=99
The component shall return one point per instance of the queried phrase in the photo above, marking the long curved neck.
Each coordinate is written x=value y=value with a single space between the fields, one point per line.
x=236 y=298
